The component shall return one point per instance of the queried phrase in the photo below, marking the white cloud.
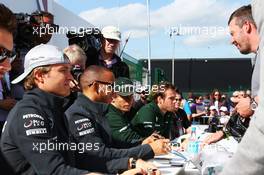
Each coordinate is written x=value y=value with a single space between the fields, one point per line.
x=205 y=39
x=129 y=16
x=205 y=35
x=133 y=18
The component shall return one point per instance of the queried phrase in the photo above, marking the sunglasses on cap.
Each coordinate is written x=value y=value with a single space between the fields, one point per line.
x=4 y=54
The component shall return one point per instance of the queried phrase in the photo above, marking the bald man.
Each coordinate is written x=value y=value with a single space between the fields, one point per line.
x=88 y=125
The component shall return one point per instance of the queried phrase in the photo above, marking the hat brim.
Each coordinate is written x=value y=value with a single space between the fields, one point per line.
x=27 y=71
x=111 y=37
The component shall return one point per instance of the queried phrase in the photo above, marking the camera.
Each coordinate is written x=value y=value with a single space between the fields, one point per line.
x=34 y=29
x=76 y=72
x=24 y=32
x=89 y=40
x=213 y=125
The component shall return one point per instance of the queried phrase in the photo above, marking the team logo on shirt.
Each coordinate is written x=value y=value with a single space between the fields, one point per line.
x=34 y=124
x=84 y=126
x=26 y=116
x=36 y=131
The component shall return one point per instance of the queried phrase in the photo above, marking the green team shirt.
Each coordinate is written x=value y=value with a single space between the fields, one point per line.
x=149 y=119
x=121 y=127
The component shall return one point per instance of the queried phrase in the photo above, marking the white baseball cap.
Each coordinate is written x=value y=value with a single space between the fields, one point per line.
x=111 y=32
x=223 y=108
x=41 y=55
x=235 y=93
x=212 y=108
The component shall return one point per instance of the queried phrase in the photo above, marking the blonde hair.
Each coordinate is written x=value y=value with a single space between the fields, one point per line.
x=29 y=82
x=76 y=55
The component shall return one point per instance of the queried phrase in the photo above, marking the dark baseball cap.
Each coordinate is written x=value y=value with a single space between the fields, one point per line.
x=123 y=86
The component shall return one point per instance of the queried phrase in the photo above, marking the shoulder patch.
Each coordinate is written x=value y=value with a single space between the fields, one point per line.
x=84 y=126
x=36 y=131
x=32 y=116
x=34 y=124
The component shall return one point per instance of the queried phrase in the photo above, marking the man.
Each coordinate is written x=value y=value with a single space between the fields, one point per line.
x=76 y=55
x=245 y=37
x=78 y=59
x=110 y=40
x=180 y=119
x=7 y=27
x=120 y=113
x=88 y=124
x=157 y=115
x=144 y=93
x=38 y=118
x=249 y=157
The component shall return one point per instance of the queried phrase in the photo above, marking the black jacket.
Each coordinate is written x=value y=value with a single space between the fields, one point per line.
x=33 y=126
x=88 y=125
x=119 y=68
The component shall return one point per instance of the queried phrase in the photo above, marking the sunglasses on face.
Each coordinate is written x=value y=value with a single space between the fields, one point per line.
x=4 y=54
x=177 y=99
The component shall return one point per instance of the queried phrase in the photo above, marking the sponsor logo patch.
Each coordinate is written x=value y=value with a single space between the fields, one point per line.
x=81 y=120
x=87 y=131
x=36 y=131
x=33 y=123
x=26 y=116
x=84 y=126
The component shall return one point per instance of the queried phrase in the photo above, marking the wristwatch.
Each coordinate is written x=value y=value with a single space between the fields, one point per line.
x=133 y=163
x=253 y=104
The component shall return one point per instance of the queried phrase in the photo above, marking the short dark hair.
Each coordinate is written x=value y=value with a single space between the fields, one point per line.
x=91 y=74
x=7 y=19
x=242 y=14
x=162 y=88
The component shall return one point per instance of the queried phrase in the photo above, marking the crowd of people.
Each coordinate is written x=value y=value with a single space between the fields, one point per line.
x=60 y=115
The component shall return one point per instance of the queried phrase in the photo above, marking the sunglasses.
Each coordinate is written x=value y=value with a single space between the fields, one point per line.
x=178 y=99
x=4 y=54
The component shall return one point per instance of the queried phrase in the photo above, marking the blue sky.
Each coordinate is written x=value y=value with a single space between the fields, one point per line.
x=202 y=25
